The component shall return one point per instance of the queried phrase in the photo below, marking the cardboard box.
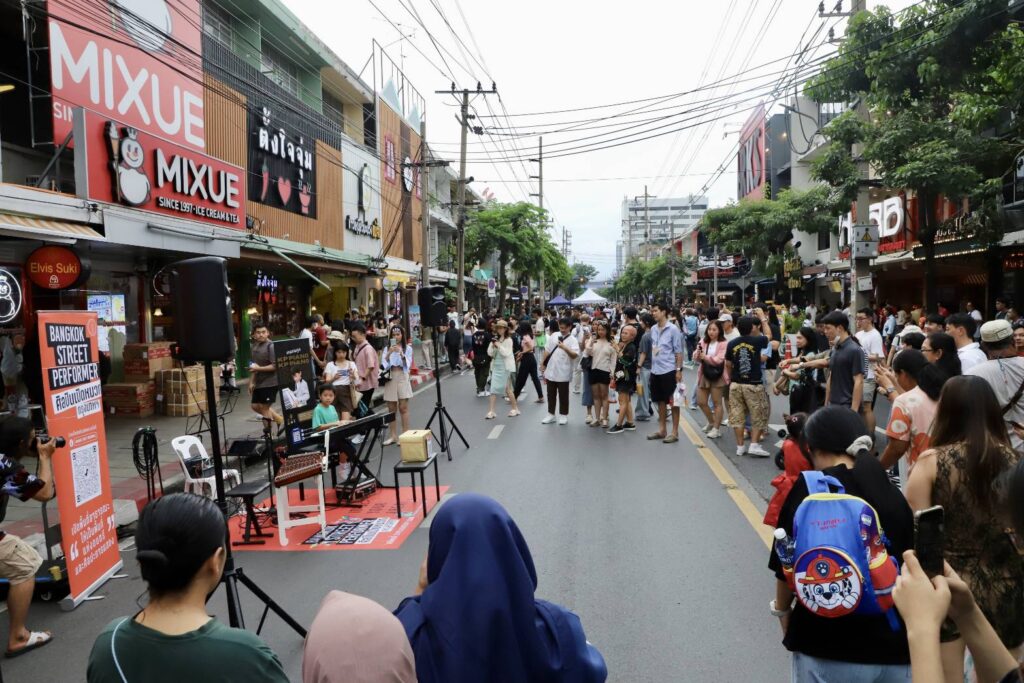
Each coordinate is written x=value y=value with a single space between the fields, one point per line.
x=137 y=412
x=136 y=368
x=147 y=351
x=415 y=445
x=185 y=409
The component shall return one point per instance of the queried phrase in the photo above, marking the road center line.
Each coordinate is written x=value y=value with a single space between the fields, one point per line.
x=746 y=507
x=496 y=432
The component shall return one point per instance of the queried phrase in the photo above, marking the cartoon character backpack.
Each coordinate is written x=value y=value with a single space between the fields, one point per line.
x=839 y=564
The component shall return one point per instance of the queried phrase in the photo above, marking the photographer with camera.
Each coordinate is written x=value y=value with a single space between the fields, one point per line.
x=19 y=562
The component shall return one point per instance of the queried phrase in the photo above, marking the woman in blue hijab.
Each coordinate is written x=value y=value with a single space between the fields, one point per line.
x=477 y=618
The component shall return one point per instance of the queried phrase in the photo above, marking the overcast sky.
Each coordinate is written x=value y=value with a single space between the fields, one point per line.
x=562 y=54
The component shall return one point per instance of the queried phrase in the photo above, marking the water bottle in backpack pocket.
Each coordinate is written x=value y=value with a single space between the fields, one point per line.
x=839 y=563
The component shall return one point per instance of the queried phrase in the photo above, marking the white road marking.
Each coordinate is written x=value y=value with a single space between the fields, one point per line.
x=496 y=432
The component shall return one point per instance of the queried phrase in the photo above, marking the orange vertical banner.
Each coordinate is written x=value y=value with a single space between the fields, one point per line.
x=74 y=409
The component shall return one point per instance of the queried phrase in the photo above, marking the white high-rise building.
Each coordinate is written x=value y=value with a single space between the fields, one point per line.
x=646 y=230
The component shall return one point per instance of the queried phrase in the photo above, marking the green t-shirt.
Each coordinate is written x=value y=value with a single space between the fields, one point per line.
x=214 y=652
x=323 y=415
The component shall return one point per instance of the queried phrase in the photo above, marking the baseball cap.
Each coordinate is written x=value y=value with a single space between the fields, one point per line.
x=725 y=318
x=996 y=331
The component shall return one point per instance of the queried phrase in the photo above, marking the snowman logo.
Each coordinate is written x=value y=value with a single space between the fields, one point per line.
x=148 y=22
x=132 y=181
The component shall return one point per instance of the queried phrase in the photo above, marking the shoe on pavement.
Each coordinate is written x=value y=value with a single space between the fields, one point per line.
x=671 y=438
x=480 y=394
x=548 y=420
x=563 y=420
x=714 y=434
x=575 y=391
x=693 y=407
x=757 y=451
x=589 y=420
x=629 y=427
x=725 y=422
x=641 y=418
x=655 y=437
x=615 y=429
x=707 y=428
x=741 y=449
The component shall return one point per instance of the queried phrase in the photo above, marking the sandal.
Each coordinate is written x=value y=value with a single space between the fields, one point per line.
x=513 y=413
x=490 y=416
x=388 y=442
x=670 y=439
x=655 y=437
x=36 y=639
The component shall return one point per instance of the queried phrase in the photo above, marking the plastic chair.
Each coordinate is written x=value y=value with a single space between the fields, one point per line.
x=183 y=446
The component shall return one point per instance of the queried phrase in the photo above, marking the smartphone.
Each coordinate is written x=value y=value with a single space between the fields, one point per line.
x=930 y=539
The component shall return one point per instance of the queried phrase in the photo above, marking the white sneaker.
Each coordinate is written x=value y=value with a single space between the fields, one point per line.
x=714 y=434
x=548 y=420
x=693 y=407
x=481 y=394
x=725 y=422
x=758 y=451
x=575 y=391
x=741 y=449
x=563 y=420
x=707 y=428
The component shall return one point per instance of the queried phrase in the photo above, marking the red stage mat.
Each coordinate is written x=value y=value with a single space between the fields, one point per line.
x=373 y=526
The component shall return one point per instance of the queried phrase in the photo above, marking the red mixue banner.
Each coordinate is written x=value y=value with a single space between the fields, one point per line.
x=74 y=409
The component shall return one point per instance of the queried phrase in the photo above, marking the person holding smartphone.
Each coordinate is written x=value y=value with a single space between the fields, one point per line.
x=19 y=561
x=969 y=453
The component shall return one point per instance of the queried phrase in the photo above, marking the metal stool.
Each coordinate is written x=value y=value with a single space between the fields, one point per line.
x=412 y=469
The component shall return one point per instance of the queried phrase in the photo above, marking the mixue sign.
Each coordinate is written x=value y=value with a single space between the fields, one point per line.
x=135 y=61
x=128 y=166
x=73 y=400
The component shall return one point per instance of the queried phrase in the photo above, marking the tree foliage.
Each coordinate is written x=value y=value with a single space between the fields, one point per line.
x=648 y=279
x=582 y=273
x=515 y=236
x=939 y=95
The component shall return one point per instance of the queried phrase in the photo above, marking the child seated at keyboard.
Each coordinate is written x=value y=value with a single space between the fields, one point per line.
x=325 y=416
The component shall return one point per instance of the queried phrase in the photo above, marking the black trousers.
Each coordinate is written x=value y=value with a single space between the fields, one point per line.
x=561 y=390
x=528 y=370
x=482 y=369
x=453 y=357
x=366 y=398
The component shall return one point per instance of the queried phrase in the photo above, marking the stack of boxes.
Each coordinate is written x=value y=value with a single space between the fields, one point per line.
x=129 y=399
x=136 y=396
x=181 y=392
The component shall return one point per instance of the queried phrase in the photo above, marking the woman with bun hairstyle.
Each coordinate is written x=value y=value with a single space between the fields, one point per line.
x=181 y=554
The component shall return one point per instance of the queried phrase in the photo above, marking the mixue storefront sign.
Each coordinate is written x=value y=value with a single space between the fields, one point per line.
x=127 y=166
x=73 y=400
x=282 y=165
x=135 y=61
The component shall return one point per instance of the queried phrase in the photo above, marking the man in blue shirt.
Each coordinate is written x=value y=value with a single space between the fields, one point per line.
x=666 y=370
x=690 y=322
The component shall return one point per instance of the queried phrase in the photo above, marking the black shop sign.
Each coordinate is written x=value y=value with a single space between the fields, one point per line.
x=282 y=164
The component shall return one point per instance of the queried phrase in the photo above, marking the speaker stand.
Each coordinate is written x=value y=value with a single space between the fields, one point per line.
x=440 y=412
x=232 y=575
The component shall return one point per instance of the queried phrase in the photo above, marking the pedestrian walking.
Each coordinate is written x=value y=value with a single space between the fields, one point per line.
x=846 y=364
x=853 y=648
x=712 y=377
x=940 y=348
x=602 y=354
x=397 y=361
x=453 y=346
x=870 y=341
x=644 y=361
x=748 y=398
x=667 y=349
x=365 y=357
x=806 y=388
x=962 y=327
x=582 y=332
x=1004 y=372
x=263 y=370
x=481 y=360
x=912 y=416
x=467 y=345
x=970 y=456
x=690 y=323
x=557 y=365
x=626 y=379
x=502 y=362
x=527 y=359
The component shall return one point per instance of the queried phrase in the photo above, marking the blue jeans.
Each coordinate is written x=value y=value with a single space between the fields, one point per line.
x=815 y=670
x=588 y=395
x=643 y=401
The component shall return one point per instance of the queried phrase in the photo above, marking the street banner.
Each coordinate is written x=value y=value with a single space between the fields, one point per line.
x=73 y=398
x=295 y=378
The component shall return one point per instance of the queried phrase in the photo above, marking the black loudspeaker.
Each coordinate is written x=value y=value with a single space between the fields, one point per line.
x=433 y=309
x=202 y=309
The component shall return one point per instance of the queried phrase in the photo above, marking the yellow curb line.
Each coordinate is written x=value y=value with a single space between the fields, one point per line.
x=746 y=507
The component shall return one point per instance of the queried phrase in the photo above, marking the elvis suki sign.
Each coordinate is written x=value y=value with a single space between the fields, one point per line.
x=282 y=165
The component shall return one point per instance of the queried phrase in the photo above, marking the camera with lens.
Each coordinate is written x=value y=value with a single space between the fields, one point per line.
x=58 y=441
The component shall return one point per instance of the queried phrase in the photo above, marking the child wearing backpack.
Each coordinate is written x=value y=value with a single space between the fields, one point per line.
x=793 y=462
x=839 y=530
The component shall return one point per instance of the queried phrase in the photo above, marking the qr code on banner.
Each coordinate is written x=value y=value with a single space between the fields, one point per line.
x=85 y=468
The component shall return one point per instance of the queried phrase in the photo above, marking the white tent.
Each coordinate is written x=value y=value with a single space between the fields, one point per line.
x=589 y=297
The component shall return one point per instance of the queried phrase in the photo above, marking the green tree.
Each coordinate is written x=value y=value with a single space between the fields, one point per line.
x=582 y=273
x=933 y=81
x=516 y=234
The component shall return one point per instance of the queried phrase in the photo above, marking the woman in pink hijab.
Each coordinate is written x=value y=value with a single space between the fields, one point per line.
x=355 y=640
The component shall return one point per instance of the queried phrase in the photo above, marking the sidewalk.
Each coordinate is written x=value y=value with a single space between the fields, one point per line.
x=24 y=518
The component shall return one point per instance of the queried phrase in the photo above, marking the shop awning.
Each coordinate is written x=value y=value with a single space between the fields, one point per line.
x=26 y=227
x=295 y=263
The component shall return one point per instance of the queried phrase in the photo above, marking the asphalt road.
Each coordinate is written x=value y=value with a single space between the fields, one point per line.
x=645 y=541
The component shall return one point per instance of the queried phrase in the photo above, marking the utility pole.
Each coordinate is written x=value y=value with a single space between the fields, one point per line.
x=715 y=277
x=647 y=223
x=540 y=203
x=424 y=179
x=464 y=118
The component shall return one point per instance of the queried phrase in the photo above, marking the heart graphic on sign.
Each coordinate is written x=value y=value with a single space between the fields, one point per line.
x=284 y=188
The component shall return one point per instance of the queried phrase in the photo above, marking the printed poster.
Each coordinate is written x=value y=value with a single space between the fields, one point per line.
x=295 y=379
x=73 y=399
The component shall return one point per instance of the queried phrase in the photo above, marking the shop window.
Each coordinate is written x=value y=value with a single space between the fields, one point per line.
x=824 y=240
x=279 y=69
x=217 y=23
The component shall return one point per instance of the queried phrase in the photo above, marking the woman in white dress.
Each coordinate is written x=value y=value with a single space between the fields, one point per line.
x=397 y=392
x=503 y=364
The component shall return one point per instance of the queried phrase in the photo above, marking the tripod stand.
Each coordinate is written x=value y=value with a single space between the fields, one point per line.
x=233 y=575
x=440 y=412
